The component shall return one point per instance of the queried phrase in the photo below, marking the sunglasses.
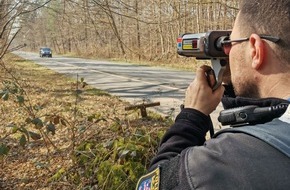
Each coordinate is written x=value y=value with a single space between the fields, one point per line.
x=227 y=43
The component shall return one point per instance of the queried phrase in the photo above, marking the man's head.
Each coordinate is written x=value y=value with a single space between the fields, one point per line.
x=258 y=63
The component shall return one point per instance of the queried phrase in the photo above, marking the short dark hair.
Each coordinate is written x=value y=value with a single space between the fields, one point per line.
x=270 y=17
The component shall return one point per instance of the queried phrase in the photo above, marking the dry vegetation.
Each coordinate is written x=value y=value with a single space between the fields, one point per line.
x=54 y=134
x=130 y=29
x=96 y=145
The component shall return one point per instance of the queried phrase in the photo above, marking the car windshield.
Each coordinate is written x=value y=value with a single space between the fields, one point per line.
x=46 y=49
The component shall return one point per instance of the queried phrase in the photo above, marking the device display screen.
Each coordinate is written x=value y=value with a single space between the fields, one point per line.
x=190 y=44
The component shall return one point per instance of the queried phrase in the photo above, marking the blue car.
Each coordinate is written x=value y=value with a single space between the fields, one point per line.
x=45 y=52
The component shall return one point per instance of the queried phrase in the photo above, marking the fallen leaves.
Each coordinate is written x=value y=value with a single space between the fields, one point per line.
x=55 y=125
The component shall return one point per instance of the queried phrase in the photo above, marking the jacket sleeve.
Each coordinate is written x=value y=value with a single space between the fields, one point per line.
x=189 y=130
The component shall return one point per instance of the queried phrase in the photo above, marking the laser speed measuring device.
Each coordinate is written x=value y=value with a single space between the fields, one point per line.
x=206 y=46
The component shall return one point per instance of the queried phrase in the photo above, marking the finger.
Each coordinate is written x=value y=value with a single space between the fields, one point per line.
x=219 y=91
x=201 y=74
x=206 y=68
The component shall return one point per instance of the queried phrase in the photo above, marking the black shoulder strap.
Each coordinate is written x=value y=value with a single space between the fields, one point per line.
x=276 y=133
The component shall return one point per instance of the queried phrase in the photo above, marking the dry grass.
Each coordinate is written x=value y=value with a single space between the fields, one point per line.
x=53 y=95
x=173 y=62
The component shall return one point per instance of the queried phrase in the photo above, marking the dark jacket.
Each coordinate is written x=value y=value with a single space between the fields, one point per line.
x=233 y=159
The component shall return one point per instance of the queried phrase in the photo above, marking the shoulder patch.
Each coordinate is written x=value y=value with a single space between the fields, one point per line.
x=149 y=181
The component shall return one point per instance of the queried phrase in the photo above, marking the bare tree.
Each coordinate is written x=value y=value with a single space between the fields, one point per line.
x=143 y=30
x=10 y=19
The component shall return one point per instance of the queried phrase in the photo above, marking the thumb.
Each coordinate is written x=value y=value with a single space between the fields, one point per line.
x=219 y=92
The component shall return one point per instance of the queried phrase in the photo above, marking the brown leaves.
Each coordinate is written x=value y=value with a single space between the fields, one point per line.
x=40 y=146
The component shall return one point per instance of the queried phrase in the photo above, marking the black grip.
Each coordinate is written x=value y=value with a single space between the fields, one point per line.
x=251 y=114
x=211 y=79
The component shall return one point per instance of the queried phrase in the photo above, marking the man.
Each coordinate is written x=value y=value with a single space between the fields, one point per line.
x=247 y=157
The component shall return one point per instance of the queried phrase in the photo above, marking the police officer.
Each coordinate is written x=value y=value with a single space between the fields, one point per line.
x=252 y=156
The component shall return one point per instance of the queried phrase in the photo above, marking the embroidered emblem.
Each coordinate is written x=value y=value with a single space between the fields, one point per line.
x=149 y=181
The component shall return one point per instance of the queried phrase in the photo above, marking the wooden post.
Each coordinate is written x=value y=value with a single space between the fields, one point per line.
x=142 y=107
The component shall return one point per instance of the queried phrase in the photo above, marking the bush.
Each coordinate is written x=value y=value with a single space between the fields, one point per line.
x=56 y=134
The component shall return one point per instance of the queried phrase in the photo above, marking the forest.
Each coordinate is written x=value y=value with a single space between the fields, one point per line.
x=60 y=133
x=127 y=29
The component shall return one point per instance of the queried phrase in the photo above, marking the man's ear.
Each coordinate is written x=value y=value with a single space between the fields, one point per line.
x=257 y=48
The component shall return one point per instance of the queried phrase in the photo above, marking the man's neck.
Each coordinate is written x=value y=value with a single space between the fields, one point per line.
x=276 y=86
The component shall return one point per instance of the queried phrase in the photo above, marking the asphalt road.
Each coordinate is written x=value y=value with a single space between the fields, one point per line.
x=133 y=83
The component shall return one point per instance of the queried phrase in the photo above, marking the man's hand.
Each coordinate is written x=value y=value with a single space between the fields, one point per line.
x=200 y=96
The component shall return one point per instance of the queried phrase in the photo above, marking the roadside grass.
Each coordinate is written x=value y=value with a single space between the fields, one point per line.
x=83 y=137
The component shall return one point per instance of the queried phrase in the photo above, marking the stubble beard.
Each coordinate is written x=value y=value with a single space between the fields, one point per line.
x=246 y=89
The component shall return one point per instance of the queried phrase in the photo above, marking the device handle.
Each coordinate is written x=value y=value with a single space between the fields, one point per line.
x=219 y=67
